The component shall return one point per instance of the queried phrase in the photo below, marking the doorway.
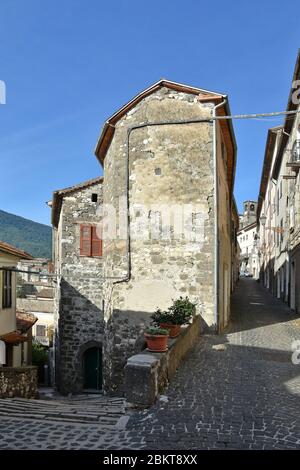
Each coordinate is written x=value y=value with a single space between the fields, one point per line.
x=92 y=369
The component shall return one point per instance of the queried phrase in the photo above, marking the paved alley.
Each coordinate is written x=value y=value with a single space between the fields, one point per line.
x=235 y=391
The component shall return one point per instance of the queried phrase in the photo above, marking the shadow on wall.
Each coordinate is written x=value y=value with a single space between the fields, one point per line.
x=81 y=327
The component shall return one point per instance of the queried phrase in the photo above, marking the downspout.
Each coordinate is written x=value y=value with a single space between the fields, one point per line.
x=216 y=208
x=129 y=130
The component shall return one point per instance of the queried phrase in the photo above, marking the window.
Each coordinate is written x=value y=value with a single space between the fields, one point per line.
x=252 y=207
x=90 y=243
x=40 y=330
x=6 y=289
x=94 y=197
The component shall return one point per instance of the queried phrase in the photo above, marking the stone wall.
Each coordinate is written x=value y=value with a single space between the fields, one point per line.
x=170 y=164
x=147 y=374
x=79 y=318
x=18 y=382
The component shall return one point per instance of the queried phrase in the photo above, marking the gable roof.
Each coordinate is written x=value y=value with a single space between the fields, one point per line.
x=108 y=130
x=13 y=250
x=270 y=144
x=246 y=228
x=59 y=194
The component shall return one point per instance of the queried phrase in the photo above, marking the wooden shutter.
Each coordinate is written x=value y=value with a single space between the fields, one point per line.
x=7 y=289
x=96 y=242
x=85 y=240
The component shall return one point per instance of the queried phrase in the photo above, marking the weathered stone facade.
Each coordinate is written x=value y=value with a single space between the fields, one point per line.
x=171 y=165
x=162 y=152
x=18 y=382
x=78 y=302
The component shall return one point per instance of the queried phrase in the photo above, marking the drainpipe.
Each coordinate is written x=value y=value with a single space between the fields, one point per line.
x=129 y=130
x=216 y=195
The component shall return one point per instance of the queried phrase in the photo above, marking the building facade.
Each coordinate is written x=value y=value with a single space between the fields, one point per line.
x=278 y=213
x=163 y=150
x=35 y=294
x=15 y=325
x=166 y=227
x=78 y=310
x=235 y=247
x=247 y=239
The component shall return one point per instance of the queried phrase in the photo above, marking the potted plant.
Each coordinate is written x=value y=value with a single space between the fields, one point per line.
x=178 y=314
x=165 y=319
x=157 y=339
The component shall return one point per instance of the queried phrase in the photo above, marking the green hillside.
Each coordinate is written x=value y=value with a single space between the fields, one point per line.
x=25 y=234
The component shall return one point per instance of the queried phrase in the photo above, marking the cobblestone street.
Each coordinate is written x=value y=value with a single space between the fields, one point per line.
x=235 y=391
x=243 y=395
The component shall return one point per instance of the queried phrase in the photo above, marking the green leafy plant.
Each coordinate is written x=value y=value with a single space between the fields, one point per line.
x=181 y=311
x=39 y=359
x=161 y=316
x=155 y=331
x=39 y=355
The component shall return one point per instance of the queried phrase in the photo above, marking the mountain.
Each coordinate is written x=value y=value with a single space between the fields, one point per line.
x=25 y=234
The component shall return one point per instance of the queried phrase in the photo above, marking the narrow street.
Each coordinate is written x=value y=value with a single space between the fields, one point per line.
x=235 y=391
x=242 y=395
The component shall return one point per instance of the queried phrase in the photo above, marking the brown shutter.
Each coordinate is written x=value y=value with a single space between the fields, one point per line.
x=85 y=240
x=96 y=242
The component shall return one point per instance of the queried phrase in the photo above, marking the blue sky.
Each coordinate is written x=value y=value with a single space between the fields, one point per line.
x=69 y=64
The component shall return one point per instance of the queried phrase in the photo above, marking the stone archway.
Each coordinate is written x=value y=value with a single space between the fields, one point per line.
x=90 y=366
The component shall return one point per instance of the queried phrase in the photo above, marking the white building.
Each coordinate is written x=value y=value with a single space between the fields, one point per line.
x=247 y=239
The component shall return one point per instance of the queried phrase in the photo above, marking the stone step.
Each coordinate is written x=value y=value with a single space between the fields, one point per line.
x=62 y=417
x=102 y=411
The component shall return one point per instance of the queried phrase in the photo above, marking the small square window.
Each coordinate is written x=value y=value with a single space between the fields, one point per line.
x=94 y=197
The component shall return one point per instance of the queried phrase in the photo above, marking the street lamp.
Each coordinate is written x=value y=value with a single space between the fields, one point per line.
x=263 y=219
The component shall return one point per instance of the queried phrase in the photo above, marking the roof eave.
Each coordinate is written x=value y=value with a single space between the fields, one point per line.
x=109 y=126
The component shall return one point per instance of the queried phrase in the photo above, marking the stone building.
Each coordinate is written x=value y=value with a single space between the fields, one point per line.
x=247 y=239
x=78 y=300
x=165 y=209
x=248 y=217
x=278 y=212
x=159 y=151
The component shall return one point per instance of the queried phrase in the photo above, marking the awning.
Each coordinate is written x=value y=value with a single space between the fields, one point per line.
x=25 y=321
x=14 y=337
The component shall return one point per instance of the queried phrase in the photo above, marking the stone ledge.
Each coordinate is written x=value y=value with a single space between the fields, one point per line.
x=147 y=374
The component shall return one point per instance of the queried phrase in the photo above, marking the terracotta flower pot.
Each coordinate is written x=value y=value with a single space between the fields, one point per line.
x=157 y=343
x=174 y=330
